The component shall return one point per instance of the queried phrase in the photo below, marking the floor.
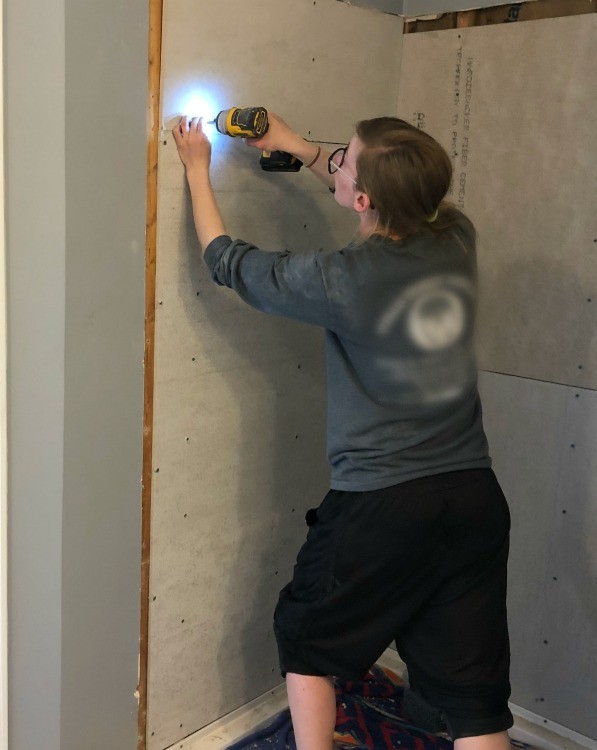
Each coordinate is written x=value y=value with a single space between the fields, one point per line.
x=246 y=719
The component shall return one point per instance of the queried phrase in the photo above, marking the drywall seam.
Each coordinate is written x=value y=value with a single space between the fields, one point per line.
x=535 y=379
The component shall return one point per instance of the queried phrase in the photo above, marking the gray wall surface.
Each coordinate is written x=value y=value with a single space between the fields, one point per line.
x=75 y=136
x=546 y=462
x=35 y=220
x=106 y=85
x=520 y=164
x=239 y=403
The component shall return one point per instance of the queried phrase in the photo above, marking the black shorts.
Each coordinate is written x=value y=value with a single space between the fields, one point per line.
x=424 y=564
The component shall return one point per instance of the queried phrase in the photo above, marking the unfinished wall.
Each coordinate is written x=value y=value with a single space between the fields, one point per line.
x=239 y=412
x=514 y=107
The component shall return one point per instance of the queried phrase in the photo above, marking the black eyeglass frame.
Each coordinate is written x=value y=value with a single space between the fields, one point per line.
x=344 y=149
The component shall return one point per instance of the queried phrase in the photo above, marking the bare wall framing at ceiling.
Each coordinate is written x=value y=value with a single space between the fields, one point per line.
x=513 y=105
x=412 y=8
x=235 y=427
x=533 y=10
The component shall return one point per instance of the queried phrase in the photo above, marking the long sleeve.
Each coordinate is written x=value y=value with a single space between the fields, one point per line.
x=281 y=283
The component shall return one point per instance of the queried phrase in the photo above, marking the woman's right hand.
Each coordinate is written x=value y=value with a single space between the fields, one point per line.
x=279 y=137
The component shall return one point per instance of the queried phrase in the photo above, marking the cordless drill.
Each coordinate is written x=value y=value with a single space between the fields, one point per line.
x=252 y=122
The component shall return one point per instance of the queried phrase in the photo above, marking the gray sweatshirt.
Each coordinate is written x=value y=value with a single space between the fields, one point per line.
x=399 y=321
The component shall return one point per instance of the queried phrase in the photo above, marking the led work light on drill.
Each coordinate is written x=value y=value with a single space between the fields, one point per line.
x=252 y=122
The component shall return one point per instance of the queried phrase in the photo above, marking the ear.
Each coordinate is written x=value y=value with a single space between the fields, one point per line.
x=362 y=202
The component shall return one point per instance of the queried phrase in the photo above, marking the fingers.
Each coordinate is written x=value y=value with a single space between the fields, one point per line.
x=185 y=127
x=179 y=130
x=253 y=142
x=196 y=125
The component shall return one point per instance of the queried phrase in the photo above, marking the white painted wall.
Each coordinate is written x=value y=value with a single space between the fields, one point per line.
x=3 y=432
x=76 y=81
x=35 y=237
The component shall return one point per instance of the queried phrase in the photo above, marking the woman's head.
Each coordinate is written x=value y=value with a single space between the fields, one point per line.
x=397 y=174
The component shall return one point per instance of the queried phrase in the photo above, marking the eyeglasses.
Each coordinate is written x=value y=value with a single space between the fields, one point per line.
x=336 y=160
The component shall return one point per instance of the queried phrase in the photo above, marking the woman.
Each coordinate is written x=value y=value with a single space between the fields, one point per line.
x=411 y=542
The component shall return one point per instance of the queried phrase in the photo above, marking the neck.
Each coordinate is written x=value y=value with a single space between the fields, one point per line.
x=368 y=225
x=368 y=222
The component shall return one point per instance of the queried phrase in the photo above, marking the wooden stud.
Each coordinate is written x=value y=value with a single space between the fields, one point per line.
x=153 y=128
x=466 y=18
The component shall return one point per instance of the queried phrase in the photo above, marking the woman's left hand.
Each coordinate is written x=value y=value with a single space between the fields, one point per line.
x=193 y=145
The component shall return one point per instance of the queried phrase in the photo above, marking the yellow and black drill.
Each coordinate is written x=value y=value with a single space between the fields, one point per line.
x=252 y=122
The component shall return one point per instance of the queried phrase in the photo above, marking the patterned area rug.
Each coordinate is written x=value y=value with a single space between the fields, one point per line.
x=369 y=715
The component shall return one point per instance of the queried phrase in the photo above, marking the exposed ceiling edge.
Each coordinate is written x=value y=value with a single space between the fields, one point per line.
x=422 y=9
x=392 y=7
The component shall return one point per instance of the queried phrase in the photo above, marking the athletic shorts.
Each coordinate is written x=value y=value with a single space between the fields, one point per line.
x=424 y=564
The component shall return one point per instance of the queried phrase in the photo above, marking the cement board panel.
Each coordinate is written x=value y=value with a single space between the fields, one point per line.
x=514 y=107
x=239 y=410
x=311 y=62
x=543 y=440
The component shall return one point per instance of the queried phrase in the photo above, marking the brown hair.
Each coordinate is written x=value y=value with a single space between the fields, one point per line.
x=406 y=174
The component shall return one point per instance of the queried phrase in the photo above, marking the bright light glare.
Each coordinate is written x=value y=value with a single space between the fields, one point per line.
x=197 y=104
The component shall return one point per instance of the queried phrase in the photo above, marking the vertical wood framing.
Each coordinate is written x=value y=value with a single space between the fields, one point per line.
x=466 y=18
x=153 y=110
